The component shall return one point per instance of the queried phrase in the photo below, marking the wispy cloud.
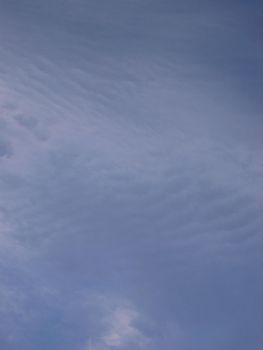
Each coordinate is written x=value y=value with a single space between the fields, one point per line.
x=119 y=328
x=130 y=170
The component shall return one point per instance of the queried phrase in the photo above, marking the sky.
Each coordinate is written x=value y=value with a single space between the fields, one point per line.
x=131 y=163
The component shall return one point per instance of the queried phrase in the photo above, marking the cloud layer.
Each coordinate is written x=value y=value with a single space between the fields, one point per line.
x=130 y=175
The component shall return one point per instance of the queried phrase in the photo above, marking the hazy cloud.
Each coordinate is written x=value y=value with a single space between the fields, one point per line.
x=130 y=175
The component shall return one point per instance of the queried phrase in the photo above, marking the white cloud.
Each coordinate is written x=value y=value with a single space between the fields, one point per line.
x=118 y=326
x=122 y=329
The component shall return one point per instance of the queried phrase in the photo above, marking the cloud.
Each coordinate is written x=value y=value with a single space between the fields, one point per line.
x=130 y=175
x=119 y=329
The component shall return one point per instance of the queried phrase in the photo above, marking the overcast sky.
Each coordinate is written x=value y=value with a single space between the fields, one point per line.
x=131 y=175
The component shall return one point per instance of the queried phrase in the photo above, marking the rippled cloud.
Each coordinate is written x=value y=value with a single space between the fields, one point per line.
x=130 y=175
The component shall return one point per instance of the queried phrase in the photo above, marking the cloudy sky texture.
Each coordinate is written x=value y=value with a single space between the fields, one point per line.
x=131 y=175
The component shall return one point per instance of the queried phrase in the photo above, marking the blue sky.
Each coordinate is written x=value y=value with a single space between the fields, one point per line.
x=131 y=189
